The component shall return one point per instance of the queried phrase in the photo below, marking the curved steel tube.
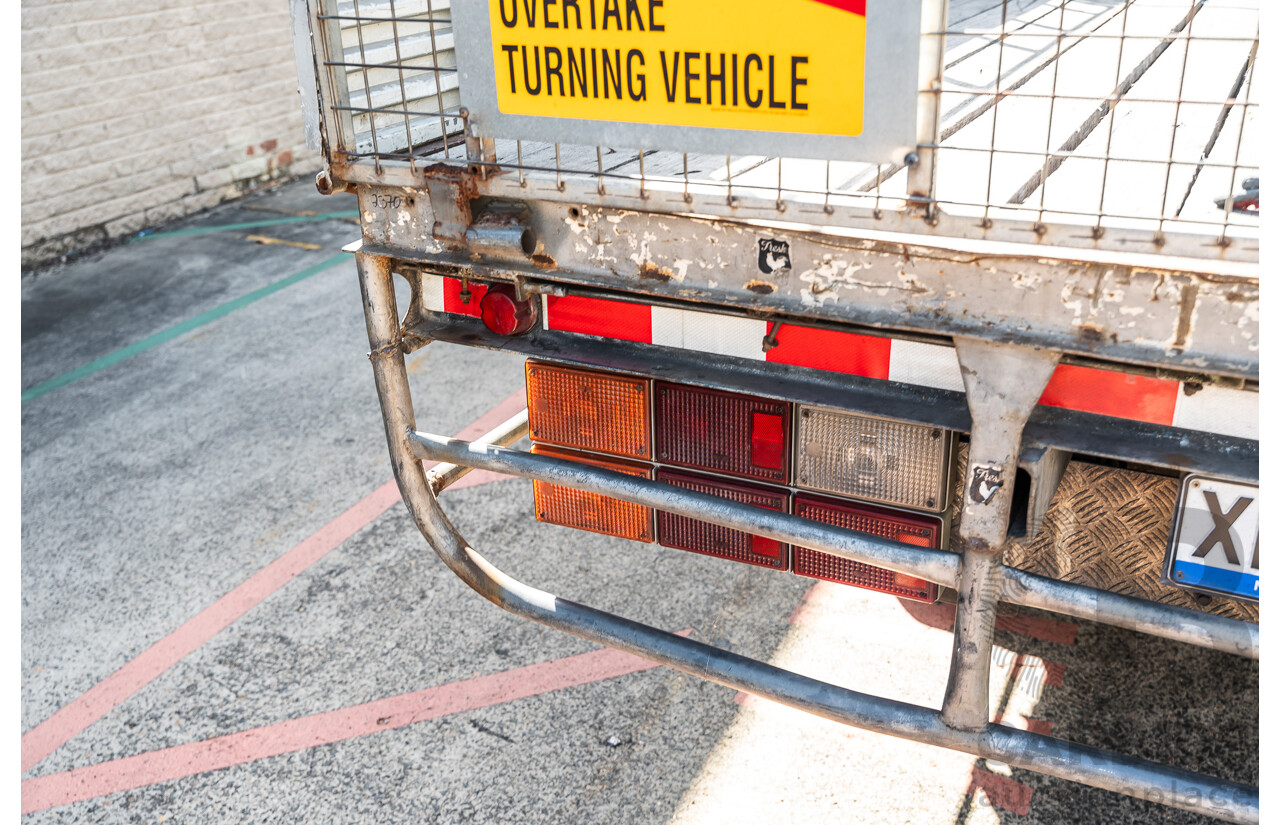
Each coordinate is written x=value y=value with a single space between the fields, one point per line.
x=1017 y=587
x=934 y=565
x=1177 y=788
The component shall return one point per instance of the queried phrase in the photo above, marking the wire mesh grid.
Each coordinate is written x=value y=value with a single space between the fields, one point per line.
x=1119 y=119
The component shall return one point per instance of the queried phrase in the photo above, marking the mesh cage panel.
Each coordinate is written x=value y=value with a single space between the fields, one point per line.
x=1049 y=113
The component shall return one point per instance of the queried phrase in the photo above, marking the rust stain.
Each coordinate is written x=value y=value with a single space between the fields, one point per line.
x=544 y=261
x=462 y=179
x=653 y=272
x=1091 y=333
x=761 y=287
x=1186 y=306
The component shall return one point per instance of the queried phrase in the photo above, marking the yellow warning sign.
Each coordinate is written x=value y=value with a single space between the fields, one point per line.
x=793 y=66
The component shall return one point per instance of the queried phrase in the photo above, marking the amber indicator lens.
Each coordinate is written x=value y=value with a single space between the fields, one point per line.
x=722 y=432
x=714 y=540
x=871 y=458
x=586 y=410
x=591 y=511
x=911 y=528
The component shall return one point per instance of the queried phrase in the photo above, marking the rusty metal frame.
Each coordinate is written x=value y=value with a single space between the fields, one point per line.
x=1153 y=314
x=1005 y=285
x=962 y=724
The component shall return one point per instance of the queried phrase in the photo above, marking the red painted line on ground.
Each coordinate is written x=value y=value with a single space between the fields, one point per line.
x=1038 y=627
x=1027 y=723
x=319 y=729
x=1054 y=672
x=943 y=616
x=803 y=611
x=1000 y=791
x=103 y=697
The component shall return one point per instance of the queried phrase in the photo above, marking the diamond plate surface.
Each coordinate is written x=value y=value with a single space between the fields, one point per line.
x=1107 y=528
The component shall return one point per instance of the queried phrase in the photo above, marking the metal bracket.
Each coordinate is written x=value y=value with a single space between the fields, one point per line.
x=451 y=189
x=1002 y=382
x=1044 y=467
x=501 y=231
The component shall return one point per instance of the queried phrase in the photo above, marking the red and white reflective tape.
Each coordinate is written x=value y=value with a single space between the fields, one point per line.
x=1086 y=389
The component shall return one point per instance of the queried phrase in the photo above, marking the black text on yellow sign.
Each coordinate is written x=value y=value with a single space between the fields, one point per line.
x=771 y=65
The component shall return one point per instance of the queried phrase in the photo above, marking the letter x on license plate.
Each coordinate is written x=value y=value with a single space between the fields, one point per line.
x=1214 y=546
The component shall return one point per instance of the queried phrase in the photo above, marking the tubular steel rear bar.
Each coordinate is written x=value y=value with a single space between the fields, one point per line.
x=1017 y=587
x=981 y=578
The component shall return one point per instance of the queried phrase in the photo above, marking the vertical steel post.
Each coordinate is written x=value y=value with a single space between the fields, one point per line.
x=383 y=323
x=339 y=124
x=922 y=174
x=1003 y=382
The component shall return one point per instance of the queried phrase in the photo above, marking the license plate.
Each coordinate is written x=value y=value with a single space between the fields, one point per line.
x=1214 y=547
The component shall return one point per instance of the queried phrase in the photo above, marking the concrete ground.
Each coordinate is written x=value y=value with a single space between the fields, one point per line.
x=228 y=617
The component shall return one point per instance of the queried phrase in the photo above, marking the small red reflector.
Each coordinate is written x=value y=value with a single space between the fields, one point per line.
x=911 y=528
x=504 y=314
x=713 y=540
x=591 y=511
x=722 y=432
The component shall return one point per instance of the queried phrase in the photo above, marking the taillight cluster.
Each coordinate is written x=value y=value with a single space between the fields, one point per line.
x=821 y=464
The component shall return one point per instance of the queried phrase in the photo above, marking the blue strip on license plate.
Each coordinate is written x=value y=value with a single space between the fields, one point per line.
x=1215 y=578
x=1214 y=547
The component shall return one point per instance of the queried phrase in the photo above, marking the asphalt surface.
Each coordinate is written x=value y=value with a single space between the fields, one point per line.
x=155 y=484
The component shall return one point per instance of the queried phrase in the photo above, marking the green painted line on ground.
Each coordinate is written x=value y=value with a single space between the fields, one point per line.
x=178 y=329
x=231 y=227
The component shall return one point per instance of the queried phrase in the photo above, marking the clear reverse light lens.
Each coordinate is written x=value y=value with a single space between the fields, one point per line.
x=872 y=458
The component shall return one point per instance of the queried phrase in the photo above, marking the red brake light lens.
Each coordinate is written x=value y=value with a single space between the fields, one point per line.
x=911 y=528
x=713 y=540
x=723 y=432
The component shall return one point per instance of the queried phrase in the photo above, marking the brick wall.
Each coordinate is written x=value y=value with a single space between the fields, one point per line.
x=137 y=112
